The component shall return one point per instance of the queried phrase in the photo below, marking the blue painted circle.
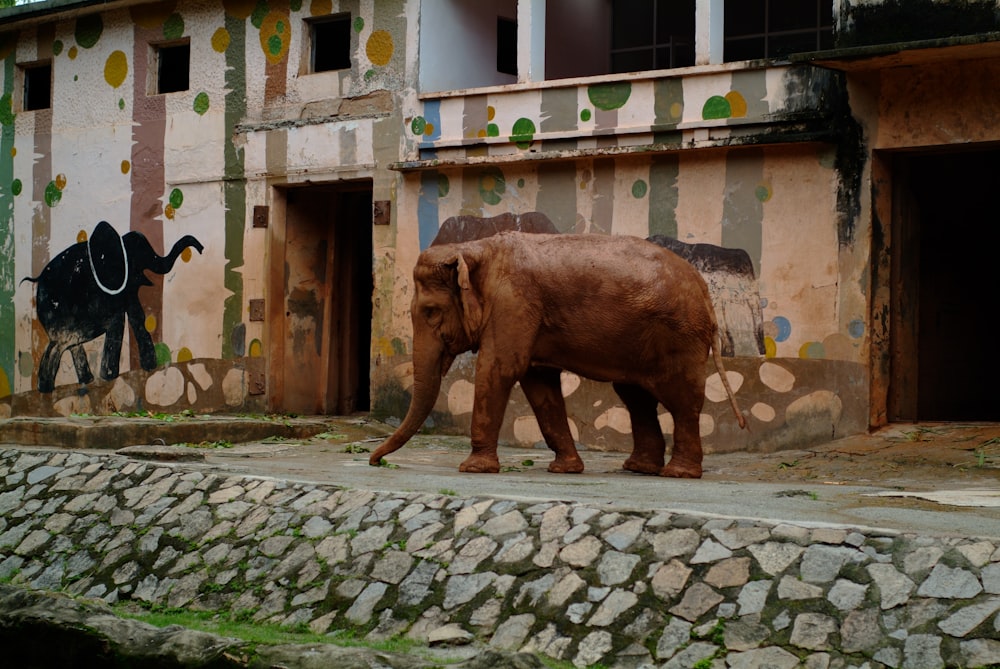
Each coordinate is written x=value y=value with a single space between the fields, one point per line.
x=784 y=328
x=856 y=328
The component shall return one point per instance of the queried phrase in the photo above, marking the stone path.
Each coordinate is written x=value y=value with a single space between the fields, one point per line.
x=571 y=581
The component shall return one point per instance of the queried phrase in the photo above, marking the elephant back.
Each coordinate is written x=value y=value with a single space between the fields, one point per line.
x=107 y=258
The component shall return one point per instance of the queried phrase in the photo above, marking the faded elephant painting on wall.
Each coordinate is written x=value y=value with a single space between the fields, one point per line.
x=728 y=272
x=89 y=289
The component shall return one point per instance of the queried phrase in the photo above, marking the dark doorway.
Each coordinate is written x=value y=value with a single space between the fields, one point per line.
x=945 y=286
x=323 y=366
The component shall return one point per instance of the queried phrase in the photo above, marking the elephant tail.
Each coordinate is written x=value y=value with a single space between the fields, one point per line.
x=32 y=279
x=717 y=358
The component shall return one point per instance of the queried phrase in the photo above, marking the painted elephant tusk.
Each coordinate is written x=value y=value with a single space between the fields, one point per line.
x=93 y=269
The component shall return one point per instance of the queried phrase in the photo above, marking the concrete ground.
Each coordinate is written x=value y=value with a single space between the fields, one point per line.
x=941 y=479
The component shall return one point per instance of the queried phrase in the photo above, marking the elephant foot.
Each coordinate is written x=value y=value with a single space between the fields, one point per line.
x=478 y=464
x=681 y=470
x=642 y=467
x=573 y=465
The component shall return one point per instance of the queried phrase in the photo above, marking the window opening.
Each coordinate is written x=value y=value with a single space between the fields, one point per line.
x=173 y=65
x=37 y=86
x=651 y=34
x=506 y=46
x=331 y=43
x=776 y=28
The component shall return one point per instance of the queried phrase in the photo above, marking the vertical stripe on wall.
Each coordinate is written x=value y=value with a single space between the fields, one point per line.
x=149 y=125
x=602 y=214
x=7 y=283
x=742 y=210
x=557 y=191
x=427 y=207
x=663 y=172
x=234 y=188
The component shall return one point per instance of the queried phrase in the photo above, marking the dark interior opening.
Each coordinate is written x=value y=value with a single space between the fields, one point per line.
x=38 y=87
x=173 y=68
x=331 y=44
x=946 y=284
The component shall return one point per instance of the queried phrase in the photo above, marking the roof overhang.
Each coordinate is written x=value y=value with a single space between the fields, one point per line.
x=905 y=54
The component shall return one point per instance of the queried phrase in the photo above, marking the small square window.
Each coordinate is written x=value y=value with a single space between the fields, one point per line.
x=331 y=43
x=173 y=65
x=506 y=46
x=38 y=86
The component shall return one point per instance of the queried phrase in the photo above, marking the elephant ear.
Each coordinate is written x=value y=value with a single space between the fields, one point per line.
x=472 y=306
x=107 y=258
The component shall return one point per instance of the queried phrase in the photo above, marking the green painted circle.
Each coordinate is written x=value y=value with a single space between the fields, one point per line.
x=763 y=193
x=295 y=5
x=639 y=189
x=121 y=103
x=260 y=10
x=162 y=354
x=716 y=107
x=610 y=96
x=585 y=115
x=201 y=103
x=359 y=24
x=520 y=183
x=52 y=194
x=16 y=186
x=492 y=185
x=57 y=47
x=418 y=125
x=492 y=130
x=523 y=132
x=176 y=198
x=274 y=45
x=444 y=185
x=88 y=30
x=173 y=27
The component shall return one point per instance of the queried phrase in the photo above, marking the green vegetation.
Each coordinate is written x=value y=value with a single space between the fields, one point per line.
x=356 y=448
x=221 y=443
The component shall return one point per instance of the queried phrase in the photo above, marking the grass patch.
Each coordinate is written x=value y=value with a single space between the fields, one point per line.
x=239 y=626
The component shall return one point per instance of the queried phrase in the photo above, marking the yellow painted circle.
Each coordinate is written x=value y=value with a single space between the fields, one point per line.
x=429 y=129
x=256 y=349
x=320 y=7
x=491 y=113
x=81 y=236
x=275 y=35
x=72 y=52
x=168 y=211
x=60 y=181
x=13 y=151
x=116 y=68
x=126 y=167
x=770 y=348
x=676 y=109
x=184 y=355
x=737 y=104
x=220 y=40
x=239 y=9
x=186 y=254
x=151 y=323
x=379 y=48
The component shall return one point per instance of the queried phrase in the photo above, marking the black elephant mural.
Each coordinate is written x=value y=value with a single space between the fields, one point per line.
x=88 y=290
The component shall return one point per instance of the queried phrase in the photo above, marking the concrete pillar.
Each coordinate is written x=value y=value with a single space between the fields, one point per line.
x=531 y=40
x=708 y=31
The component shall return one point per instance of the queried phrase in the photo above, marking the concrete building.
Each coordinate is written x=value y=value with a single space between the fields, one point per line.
x=269 y=171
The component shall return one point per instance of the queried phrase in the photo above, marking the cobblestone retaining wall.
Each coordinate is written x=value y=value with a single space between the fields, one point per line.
x=572 y=581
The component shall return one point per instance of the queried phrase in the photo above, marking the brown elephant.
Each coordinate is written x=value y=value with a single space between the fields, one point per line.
x=609 y=308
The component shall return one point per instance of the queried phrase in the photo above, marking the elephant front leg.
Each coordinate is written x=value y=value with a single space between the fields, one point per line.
x=542 y=387
x=137 y=320
x=648 y=444
x=493 y=386
x=112 y=354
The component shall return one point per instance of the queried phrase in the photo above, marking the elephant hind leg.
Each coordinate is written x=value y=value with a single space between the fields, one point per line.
x=684 y=397
x=48 y=367
x=648 y=444
x=541 y=385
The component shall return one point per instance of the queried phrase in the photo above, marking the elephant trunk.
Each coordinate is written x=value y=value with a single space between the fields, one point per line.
x=429 y=367
x=163 y=264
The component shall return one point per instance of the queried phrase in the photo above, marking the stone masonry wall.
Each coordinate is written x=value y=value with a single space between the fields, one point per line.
x=572 y=581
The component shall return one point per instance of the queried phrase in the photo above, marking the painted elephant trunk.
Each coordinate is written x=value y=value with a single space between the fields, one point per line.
x=428 y=370
x=163 y=264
